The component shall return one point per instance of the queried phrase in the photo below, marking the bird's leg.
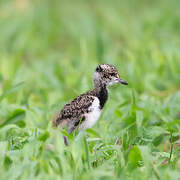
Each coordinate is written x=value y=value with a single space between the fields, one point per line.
x=66 y=138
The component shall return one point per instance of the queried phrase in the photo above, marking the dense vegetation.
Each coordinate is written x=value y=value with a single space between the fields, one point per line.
x=48 y=52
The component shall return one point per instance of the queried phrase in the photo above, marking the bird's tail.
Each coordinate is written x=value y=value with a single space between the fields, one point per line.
x=56 y=121
x=59 y=121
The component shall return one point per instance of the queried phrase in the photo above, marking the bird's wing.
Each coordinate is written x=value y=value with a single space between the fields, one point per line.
x=74 y=111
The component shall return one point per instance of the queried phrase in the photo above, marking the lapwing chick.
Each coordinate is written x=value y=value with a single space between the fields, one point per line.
x=85 y=110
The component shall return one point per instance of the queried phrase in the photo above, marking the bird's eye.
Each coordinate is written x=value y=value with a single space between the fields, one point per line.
x=112 y=74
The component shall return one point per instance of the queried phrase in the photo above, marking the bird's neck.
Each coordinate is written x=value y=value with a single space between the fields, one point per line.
x=101 y=93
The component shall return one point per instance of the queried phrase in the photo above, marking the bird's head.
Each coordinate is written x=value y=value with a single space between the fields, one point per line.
x=107 y=75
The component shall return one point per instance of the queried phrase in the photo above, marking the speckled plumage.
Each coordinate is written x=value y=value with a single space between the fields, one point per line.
x=74 y=111
x=85 y=109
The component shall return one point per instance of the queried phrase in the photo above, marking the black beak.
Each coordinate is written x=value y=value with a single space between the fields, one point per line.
x=122 y=81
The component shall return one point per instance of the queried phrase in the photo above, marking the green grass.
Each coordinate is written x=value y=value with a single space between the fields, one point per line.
x=48 y=52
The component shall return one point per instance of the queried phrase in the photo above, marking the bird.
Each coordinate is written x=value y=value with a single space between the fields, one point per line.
x=84 y=111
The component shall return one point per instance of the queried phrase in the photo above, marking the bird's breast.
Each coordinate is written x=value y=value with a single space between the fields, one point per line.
x=92 y=116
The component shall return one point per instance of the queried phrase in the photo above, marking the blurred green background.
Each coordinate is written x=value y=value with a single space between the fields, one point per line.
x=49 y=50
